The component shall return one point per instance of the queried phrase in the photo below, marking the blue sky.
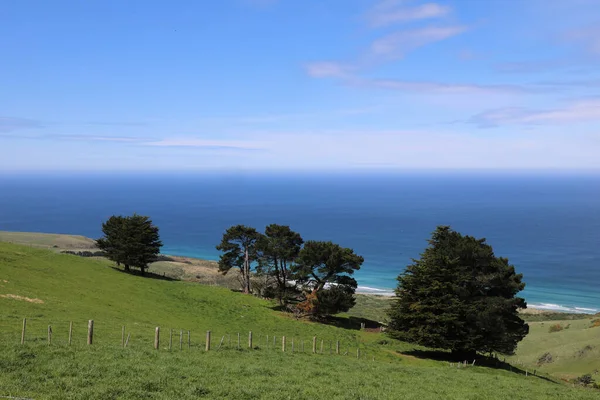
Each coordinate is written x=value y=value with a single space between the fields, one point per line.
x=299 y=84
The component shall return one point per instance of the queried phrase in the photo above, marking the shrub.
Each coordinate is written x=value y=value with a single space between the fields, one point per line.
x=546 y=358
x=555 y=328
x=585 y=380
x=584 y=351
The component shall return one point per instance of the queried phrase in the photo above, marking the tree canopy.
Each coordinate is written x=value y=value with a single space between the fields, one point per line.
x=277 y=250
x=312 y=279
x=239 y=250
x=132 y=241
x=459 y=296
x=326 y=270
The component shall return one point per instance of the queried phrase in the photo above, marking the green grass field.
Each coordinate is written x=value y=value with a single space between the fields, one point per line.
x=56 y=289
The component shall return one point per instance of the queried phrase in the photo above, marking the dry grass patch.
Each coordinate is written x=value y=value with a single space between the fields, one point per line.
x=22 y=298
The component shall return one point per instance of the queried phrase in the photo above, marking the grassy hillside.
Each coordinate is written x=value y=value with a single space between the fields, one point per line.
x=48 y=240
x=574 y=351
x=54 y=289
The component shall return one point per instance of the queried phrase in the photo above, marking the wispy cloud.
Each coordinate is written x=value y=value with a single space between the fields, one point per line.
x=390 y=12
x=77 y=137
x=397 y=44
x=10 y=124
x=587 y=110
x=207 y=144
x=588 y=37
x=328 y=69
x=444 y=88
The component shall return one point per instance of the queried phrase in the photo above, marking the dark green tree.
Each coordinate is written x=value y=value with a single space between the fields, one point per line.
x=459 y=296
x=239 y=250
x=325 y=269
x=132 y=241
x=112 y=241
x=277 y=250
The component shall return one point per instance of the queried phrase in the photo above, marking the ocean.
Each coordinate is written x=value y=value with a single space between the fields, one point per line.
x=546 y=223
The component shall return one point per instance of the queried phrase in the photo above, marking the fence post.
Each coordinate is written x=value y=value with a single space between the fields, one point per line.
x=70 y=332
x=23 y=331
x=157 y=338
x=127 y=341
x=314 y=344
x=337 y=347
x=283 y=344
x=49 y=335
x=358 y=353
x=90 y=337
x=292 y=345
x=181 y=339
x=250 y=339
x=207 y=348
x=238 y=340
x=122 y=336
x=189 y=344
x=170 y=338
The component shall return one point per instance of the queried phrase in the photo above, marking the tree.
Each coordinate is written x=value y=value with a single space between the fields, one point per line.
x=239 y=250
x=459 y=296
x=326 y=270
x=132 y=241
x=112 y=241
x=277 y=250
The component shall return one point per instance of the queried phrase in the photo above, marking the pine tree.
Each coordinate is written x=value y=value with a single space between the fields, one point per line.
x=132 y=241
x=459 y=296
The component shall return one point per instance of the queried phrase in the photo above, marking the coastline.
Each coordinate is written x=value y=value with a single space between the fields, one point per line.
x=205 y=270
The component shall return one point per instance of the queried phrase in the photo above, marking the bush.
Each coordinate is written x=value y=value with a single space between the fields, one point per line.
x=585 y=380
x=546 y=358
x=555 y=328
x=85 y=253
x=584 y=351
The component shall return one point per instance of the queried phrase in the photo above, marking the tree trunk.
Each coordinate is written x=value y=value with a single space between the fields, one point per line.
x=246 y=272
x=127 y=267
x=143 y=268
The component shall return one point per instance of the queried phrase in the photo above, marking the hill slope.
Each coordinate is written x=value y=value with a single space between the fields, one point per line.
x=55 y=289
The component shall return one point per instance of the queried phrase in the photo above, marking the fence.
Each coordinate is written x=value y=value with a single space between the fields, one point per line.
x=160 y=338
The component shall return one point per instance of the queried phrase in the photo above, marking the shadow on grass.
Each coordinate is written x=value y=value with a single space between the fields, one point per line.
x=353 y=323
x=480 y=360
x=150 y=275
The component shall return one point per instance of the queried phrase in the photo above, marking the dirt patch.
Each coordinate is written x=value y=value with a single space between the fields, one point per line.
x=22 y=298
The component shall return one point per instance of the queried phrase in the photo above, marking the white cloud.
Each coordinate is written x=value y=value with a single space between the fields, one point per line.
x=443 y=88
x=588 y=37
x=327 y=69
x=391 y=12
x=397 y=44
x=577 y=112
x=207 y=143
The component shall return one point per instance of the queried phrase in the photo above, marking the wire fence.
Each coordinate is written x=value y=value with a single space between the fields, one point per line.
x=93 y=333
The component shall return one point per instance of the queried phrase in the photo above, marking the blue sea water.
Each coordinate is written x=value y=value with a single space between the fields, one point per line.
x=547 y=224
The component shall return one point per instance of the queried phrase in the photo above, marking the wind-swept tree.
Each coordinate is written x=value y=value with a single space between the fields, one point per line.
x=132 y=241
x=239 y=250
x=325 y=269
x=459 y=296
x=277 y=250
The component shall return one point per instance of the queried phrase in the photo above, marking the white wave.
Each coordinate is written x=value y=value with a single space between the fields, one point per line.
x=560 y=308
x=371 y=289
x=374 y=291
x=593 y=310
